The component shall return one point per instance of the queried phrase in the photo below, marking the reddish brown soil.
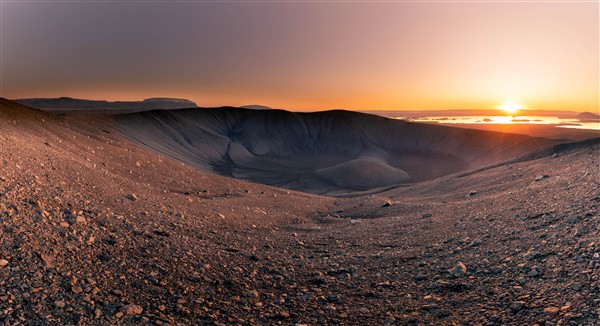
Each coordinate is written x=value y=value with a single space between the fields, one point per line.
x=96 y=230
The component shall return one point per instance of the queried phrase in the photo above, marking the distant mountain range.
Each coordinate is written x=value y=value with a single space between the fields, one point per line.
x=70 y=104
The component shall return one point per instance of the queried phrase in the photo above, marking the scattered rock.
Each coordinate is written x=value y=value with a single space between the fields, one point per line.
x=429 y=307
x=572 y=219
x=48 y=259
x=458 y=270
x=517 y=306
x=3 y=262
x=551 y=310
x=387 y=204
x=364 y=310
x=420 y=277
x=132 y=197
x=283 y=315
x=133 y=309
x=444 y=313
x=533 y=273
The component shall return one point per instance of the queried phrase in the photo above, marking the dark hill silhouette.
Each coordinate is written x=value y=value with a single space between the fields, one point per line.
x=67 y=104
x=587 y=116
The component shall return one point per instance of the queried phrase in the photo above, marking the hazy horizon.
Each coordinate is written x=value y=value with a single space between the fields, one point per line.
x=306 y=55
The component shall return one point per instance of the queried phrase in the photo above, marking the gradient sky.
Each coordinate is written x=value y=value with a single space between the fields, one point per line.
x=306 y=55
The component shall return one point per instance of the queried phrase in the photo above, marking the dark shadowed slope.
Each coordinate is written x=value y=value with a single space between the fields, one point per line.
x=328 y=152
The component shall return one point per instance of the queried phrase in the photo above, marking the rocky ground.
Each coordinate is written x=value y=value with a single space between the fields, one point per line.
x=95 y=230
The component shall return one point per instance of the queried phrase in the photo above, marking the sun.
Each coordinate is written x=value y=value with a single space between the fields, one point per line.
x=510 y=107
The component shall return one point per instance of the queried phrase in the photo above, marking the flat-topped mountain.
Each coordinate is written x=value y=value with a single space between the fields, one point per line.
x=67 y=104
x=588 y=116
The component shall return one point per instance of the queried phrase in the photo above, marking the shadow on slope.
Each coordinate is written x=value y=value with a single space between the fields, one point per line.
x=332 y=152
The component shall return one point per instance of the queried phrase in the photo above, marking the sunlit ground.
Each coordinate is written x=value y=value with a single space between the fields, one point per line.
x=540 y=120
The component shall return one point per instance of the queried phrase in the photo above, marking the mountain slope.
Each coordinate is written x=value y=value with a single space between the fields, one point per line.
x=312 y=151
x=96 y=230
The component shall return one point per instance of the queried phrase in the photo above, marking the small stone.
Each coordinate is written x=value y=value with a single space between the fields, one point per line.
x=48 y=259
x=551 y=310
x=576 y=286
x=364 y=310
x=517 y=306
x=387 y=204
x=444 y=313
x=572 y=219
x=459 y=270
x=3 y=262
x=427 y=215
x=471 y=194
x=80 y=219
x=76 y=289
x=430 y=307
x=60 y=303
x=420 y=277
x=132 y=197
x=133 y=309
x=541 y=177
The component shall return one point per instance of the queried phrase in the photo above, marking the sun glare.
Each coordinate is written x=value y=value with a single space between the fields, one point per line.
x=510 y=107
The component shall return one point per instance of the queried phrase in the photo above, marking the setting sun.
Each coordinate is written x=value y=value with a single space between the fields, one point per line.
x=510 y=107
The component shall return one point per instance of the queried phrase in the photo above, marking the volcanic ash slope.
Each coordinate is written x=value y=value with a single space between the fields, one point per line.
x=317 y=152
x=98 y=231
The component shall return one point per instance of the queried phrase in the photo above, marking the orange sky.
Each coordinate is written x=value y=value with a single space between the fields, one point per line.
x=307 y=55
